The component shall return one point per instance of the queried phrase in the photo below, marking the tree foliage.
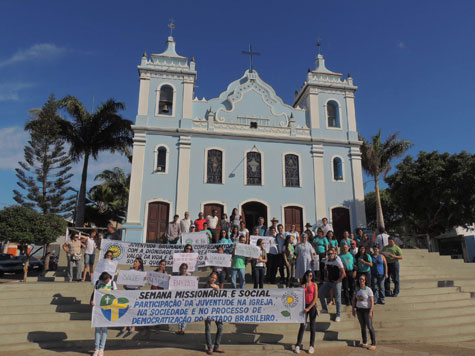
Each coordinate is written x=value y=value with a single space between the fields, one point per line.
x=376 y=157
x=44 y=174
x=92 y=133
x=436 y=192
x=24 y=225
x=110 y=198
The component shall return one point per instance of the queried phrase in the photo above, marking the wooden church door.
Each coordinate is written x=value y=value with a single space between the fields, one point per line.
x=293 y=216
x=340 y=221
x=157 y=221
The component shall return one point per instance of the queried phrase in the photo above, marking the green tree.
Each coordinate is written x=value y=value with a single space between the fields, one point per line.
x=44 y=175
x=393 y=218
x=376 y=157
x=436 y=192
x=111 y=196
x=27 y=226
x=92 y=133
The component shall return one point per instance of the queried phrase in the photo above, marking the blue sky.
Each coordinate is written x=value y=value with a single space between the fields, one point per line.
x=412 y=60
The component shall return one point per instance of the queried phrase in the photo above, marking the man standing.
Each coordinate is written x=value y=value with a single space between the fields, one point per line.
x=346 y=239
x=279 y=242
x=199 y=222
x=185 y=223
x=262 y=228
x=112 y=233
x=272 y=258
x=382 y=239
x=89 y=256
x=274 y=222
x=334 y=274
x=393 y=254
x=212 y=221
x=173 y=232
x=74 y=255
x=348 y=283
x=326 y=226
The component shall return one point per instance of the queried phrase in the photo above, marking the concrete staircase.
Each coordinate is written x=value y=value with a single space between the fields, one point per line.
x=436 y=304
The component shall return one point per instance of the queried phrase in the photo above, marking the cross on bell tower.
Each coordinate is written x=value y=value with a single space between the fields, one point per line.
x=250 y=53
x=171 y=26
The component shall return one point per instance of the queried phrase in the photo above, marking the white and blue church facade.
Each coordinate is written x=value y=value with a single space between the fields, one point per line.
x=244 y=149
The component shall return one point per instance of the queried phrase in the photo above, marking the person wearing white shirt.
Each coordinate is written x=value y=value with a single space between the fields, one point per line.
x=326 y=226
x=185 y=223
x=212 y=221
x=382 y=238
x=89 y=256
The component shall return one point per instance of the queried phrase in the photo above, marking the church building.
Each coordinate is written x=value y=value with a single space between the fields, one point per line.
x=244 y=149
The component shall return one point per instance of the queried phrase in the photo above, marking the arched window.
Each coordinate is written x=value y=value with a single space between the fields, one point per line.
x=333 y=114
x=292 y=174
x=214 y=167
x=254 y=169
x=165 y=105
x=161 y=159
x=337 y=169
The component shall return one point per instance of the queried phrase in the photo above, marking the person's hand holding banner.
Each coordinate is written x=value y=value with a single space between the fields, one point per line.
x=158 y=279
x=131 y=277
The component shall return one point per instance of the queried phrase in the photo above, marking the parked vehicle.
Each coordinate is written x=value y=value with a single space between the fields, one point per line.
x=15 y=264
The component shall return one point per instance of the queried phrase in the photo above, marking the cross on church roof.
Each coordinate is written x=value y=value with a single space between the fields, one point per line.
x=319 y=45
x=250 y=53
x=171 y=25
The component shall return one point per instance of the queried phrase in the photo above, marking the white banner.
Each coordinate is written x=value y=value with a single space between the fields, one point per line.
x=152 y=307
x=189 y=258
x=109 y=266
x=131 y=277
x=195 y=238
x=218 y=259
x=246 y=250
x=151 y=254
x=269 y=243
x=183 y=282
x=158 y=279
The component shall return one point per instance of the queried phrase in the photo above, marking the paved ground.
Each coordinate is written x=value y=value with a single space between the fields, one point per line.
x=459 y=349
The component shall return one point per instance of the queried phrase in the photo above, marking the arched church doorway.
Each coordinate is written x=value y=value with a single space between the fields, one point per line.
x=157 y=221
x=208 y=209
x=340 y=221
x=251 y=212
x=293 y=216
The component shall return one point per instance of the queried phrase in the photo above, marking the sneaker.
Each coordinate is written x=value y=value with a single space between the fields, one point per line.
x=372 y=347
x=324 y=311
x=96 y=353
x=297 y=349
x=311 y=350
x=101 y=353
x=337 y=319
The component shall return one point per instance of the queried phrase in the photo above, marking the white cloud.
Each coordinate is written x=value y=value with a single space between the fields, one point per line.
x=11 y=91
x=12 y=141
x=39 y=51
x=401 y=45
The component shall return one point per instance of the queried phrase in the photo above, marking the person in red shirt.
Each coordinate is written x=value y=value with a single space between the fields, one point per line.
x=199 y=222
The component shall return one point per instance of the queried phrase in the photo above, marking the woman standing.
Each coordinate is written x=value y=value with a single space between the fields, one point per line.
x=221 y=272
x=364 y=262
x=305 y=254
x=311 y=293
x=321 y=245
x=363 y=304
x=137 y=266
x=259 y=269
x=234 y=234
x=235 y=219
x=379 y=271
x=162 y=265
x=288 y=251
x=183 y=272
x=219 y=324
x=103 y=284
x=244 y=232
x=293 y=231
x=332 y=241
x=225 y=225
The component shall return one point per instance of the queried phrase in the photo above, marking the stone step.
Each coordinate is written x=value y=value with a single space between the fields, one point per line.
x=428 y=291
x=63 y=308
x=399 y=314
x=409 y=307
x=433 y=321
x=403 y=300
x=43 y=317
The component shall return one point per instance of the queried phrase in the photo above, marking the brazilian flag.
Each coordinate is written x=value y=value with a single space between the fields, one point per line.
x=113 y=308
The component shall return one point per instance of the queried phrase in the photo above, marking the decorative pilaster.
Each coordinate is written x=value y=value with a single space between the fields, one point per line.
x=319 y=182
x=183 y=175
x=358 y=190
x=136 y=178
x=143 y=95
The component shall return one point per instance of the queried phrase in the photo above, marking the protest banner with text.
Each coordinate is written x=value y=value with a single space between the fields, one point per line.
x=183 y=282
x=195 y=238
x=109 y=266
x=152 y=254
x=247 y=250
x=218 y=259
x=152 y=307
x=158 y=279
x=131 y=277
x=189 y=258
x=269 y=243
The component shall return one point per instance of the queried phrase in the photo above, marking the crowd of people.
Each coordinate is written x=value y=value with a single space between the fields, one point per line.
x=352 y=269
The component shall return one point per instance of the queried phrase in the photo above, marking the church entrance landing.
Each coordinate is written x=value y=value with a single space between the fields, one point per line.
x=251 y=212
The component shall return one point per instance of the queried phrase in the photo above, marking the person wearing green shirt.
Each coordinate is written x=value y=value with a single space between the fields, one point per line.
x=393 y=254
x=364 y=262
x=332 y=241
x=208 y=231
x=238 y=266
x=321 y=246
x=348 y=283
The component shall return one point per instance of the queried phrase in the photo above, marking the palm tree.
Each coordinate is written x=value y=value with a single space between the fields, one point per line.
x=112 y=194
x=91 y=133
x=376 y=160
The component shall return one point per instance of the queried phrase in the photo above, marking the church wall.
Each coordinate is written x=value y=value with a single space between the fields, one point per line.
x=165 y=120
